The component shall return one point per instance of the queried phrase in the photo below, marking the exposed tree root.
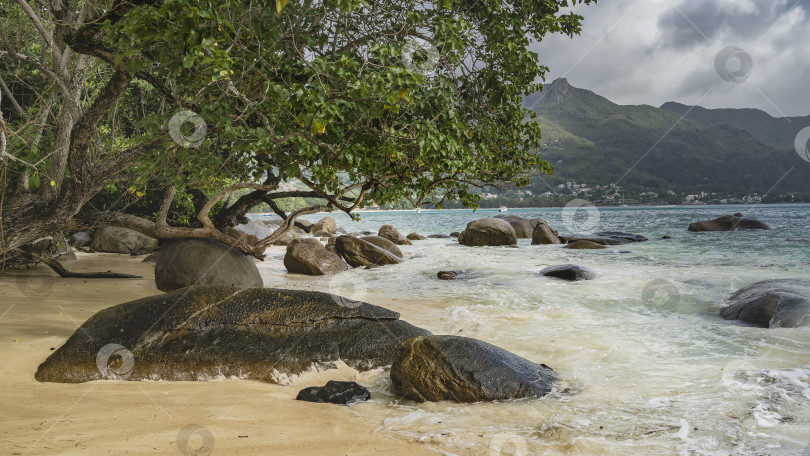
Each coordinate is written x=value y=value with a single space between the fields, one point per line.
x=54 y=264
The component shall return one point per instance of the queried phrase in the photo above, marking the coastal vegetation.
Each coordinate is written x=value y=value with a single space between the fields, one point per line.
x=150 y=115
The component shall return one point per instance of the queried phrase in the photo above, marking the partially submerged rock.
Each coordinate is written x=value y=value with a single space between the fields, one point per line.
x=523 y=227
x=460 y=369
x=383 y=243
x=439 y=236
x=335 y=392
x=732 y=222
x=488 y=231
x=569 y=272
x=449 y=275
x=186 y=262
x=781 y=303
x=359 y=252
x=416 y=237
x=115 y=239
x=585 y=245
x=544 y=235
x=212 y=332
x=326 y=224
x=391 y=233
x=609 y=238
x=308 y=256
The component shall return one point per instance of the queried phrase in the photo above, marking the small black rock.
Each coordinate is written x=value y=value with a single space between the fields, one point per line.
x=570 y=272
x=448 y=275
x=343 y=393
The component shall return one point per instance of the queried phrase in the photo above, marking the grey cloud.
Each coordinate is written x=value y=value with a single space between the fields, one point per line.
x=641 y=52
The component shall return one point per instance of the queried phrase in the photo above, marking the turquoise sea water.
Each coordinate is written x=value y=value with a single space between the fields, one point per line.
x=648 y=367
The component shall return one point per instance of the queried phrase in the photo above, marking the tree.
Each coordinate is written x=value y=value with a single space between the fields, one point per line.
x=358 y=101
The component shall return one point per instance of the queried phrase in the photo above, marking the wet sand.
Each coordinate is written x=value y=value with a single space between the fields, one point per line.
x=39 y=311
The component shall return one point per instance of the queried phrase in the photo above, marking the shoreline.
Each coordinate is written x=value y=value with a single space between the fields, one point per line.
x=244 y=417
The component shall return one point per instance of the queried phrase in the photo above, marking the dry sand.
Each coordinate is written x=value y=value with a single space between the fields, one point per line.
x=39 y=311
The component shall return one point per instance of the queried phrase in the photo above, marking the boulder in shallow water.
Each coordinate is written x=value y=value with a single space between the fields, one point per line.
x=783 y=303
x=212 y=332
x=439 y=236
x=115 y=239
x=335 y=392
x=384 y=243
x=359 y=252
x=544 y=235
x=460 y=369
x=488 y=231
x=569 y=272
x=524 y=228
x=732 y=222
x=609 y=238
x=585 y=245
x=326 y=224
x=391 y=233
x=308 y=256
x=449 y=275
x=186 y=262
x=415 y=237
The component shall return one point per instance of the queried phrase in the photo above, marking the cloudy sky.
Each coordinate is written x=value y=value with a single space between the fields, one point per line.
x=712 y=53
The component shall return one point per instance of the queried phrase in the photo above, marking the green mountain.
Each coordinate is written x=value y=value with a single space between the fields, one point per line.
x=590 y=139
x=778 y=132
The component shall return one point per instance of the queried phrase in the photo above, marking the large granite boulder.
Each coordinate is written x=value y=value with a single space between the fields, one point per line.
x=212 y=332
x=544 y=235
x=781 y=303
x=360 y=252
x=115 y=239
x=308 y=256
x=326 y=224
x=383 y=243
x=728 y=223
x=185 y=262
x=569 y=272
x=523 y=227
x=438 y=368
x=335 y=392
x=609 y=238
x=391 y=233
x=488 y=231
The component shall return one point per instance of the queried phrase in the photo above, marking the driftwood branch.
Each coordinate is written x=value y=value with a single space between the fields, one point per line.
x=63 y=272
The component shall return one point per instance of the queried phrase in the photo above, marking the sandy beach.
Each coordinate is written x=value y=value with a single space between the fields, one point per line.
x=39 y=311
